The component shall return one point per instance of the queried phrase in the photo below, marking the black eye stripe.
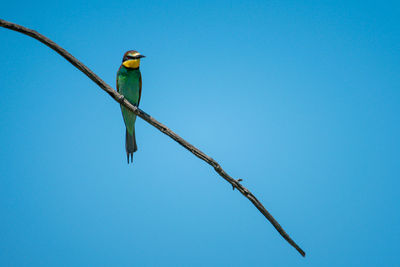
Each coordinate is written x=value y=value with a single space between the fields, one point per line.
x=127 y=57
x=130 y=57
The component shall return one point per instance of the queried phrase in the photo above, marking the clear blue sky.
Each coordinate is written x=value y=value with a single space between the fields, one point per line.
x=298 y=98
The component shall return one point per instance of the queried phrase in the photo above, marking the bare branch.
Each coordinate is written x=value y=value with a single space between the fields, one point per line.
x=164 y=129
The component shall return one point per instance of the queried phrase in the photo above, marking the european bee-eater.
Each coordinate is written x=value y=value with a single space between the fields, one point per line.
x=129 y=84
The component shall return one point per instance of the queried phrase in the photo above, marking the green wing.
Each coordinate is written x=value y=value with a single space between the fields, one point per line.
x=129 y=84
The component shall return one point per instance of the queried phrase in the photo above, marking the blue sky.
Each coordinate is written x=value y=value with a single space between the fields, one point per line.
x=299 y=99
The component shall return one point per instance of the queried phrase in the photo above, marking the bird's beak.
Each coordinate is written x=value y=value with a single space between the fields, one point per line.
x=140 y=56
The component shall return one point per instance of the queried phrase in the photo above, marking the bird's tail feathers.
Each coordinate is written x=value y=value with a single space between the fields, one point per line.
x=130 y=145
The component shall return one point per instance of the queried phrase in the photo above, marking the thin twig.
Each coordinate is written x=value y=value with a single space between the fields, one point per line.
x=164 y=129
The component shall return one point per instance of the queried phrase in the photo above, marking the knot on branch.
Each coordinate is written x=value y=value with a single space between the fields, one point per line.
x=217 y=167
x=163 y=129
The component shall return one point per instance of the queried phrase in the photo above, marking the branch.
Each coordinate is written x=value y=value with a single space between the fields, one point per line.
x=164 y=129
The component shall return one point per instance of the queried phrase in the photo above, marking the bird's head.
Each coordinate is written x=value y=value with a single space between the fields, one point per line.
x=131 y=59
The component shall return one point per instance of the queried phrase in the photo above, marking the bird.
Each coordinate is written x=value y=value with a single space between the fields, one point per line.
x=129 y=84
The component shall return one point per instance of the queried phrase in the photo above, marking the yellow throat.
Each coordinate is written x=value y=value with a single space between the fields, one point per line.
x=132 y=63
